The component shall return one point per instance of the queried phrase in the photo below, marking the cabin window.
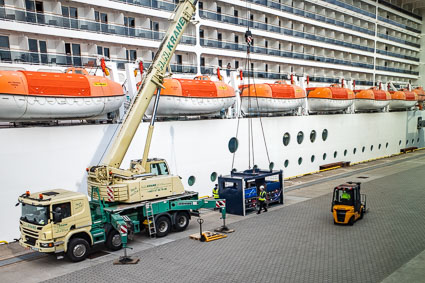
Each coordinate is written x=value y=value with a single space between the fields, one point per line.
x=106 y=52
x=130 y=22
x=99 y=50
x=300 y=137
x=201 y=5
x=386 y=145
x=286 y=164
x=286 y=139
x=191 y=180
x=354 y=150
x=324 y=134
x=313 y=158
x=1 y=2
x=220 y=63
x=345 y=152
x=324 y=156
x=4 y=42
x=104 y=18
x=335 y=154
x=313 y=132
x=97 y=16
x=202 y=62
x=131 y=55
x=236 y=39
x=201 y=33
x=236 y=13
x=236 y=64
x=63 y=208
x=300 y=161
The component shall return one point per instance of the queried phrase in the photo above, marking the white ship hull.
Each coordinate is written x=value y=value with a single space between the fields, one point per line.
x=38 y=108
x=401 y=104
x=323 y=104
x=370 y=104
x=269 y=105
x=186 y=106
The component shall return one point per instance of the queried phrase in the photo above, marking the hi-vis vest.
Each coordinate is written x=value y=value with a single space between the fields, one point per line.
x=262 y=196
x=215 y=193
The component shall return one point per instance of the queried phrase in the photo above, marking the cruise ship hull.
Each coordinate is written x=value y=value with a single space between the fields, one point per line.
x=188 y=106
x=270 y=105
x=370 y=104
x=42 y=108
x=324 y=104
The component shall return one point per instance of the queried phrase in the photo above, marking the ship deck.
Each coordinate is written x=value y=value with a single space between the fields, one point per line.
x=296 y=242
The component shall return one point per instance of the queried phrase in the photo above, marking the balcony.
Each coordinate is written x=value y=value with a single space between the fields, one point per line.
x=84 y=25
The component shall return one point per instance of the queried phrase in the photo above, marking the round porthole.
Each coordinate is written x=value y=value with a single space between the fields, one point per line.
x=213 y=176
x=379 y=146
x=413 y=141
x=335 y=154
x=286 y=139
x=300 y=137
x=300 y=160
x=386 y=145
x=354 y=150
x=417 y=140
x=363 y=149
x=233 y=145
x=191 y=180
x=324 y=135
x=345 y=152
x=399 y=143
x=312 y=158
x=313 y=136
x=407 y=142
x=371 y=148
x=324 y=156
x=286 y=163
x=271 y=166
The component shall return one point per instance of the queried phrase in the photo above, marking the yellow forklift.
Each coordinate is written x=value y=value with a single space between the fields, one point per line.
x=348 y=205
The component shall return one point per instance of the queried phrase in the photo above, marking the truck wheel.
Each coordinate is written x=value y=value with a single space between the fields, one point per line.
x=114 y=242
x=77 y=249
x=163 y=226
x=182 y=221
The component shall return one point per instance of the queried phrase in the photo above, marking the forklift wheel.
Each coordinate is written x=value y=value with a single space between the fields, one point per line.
x=361 y=214
x=351 y=221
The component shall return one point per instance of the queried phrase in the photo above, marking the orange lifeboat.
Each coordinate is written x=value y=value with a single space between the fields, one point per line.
x=43 y=96
x=403 y=100
x=269 y=98
x=198 y=96
x=421 y=96
x=332 y=98
x=371 y=99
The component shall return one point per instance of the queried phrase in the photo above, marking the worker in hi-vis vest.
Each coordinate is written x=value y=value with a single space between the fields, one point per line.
x=215 y=192
x=262 y=199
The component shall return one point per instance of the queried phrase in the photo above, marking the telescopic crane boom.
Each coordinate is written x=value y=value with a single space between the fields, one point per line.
x=145 y=179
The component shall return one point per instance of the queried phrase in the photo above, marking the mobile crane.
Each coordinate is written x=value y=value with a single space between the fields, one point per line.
x=122 y=201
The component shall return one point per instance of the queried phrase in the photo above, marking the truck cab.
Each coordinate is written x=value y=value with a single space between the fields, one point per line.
x=155 y=166
x=51 y=219
x=348 y=205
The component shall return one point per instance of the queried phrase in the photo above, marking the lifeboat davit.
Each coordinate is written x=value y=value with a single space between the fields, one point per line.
x=43 y=96
x=332 y=98
x=371 y=99
x=199 y=96
x=270 y=98
x=402 y=100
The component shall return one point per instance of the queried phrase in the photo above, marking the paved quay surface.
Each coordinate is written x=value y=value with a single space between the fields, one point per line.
x=293 y=243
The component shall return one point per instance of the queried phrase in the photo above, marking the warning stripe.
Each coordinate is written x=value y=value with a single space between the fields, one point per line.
x=110 y=194
x=220 y=203
x=123 y=229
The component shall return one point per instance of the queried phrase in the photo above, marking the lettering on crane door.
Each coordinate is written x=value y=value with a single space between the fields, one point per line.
x=171 y=43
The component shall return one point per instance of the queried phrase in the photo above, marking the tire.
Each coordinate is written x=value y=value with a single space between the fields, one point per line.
x=351 y=221
x=78 y=249
x=113 y=241
x=361 y=214
x=182 y=221
x=163 y=226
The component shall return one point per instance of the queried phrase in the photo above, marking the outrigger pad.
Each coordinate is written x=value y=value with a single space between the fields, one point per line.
x=224 y=229
x=126 y=260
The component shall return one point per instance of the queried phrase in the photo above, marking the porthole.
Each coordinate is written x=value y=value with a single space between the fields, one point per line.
x=354 y=150
x=313 y=136
x=407 y=142
x=413 y=141
x=386 y=145
x=271 y=166
x=313 y=158
x=286 y=163
x=300 y=160
x=191 y=180
x=324 y=156
x=255 y=167
x=324 y=135
x=286 y=139
x=379 y=146
x=371 y=148
x=300 y=137
x=213 y=176
x=233 y=145
x=417 y=140
x=335 y=154
x=345 y=152
x=363 y=149
x=399 y=143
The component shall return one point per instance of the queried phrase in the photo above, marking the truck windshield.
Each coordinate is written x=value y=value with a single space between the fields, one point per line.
x=343 y=196
x=35 y=214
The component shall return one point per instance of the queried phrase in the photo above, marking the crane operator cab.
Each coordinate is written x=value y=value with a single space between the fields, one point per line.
x=155 y=166
x=348 y=205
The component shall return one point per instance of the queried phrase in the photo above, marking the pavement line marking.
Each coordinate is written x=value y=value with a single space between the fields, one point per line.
x=331 y=178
